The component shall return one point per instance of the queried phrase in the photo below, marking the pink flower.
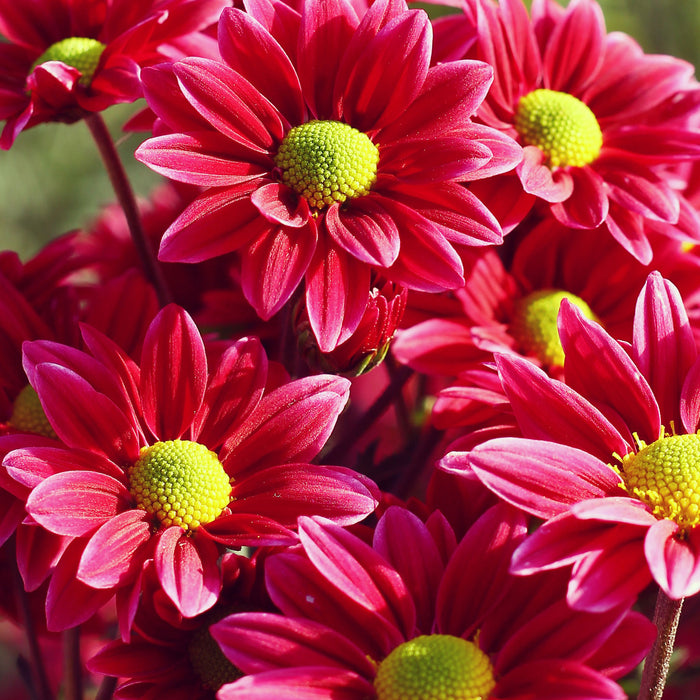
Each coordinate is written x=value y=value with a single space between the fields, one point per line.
x=599 y=120
x=417 y=614
x=323 y=159
x=174 y=461
x=611 y=458
x=64 y=59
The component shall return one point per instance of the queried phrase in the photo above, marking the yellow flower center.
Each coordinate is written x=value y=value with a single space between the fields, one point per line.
x=76 y=51
x=327 y=161
x=666 y=476
x=209 y=662
x=561 y=126
x=28 y=414
x=180 y=482
x=534 y=324
x=435 y=667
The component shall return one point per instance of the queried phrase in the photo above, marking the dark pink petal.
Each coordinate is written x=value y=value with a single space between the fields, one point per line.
x=548 y=409
x=546 y=680
x=464 y=602
x=300 y=683
x=114 y=554
x=188 y=570
x=287 y=492
x=374 y=97
x=587 y=207
x=83 y=417
x=38 y=552
x=337 y=290
x=69 y=602
x=540 y=477
x=233 y=390
x=253 y=52
x=663 y=343
x=326 y=30
x=406 y=543
x=628 y=229
x=278 y=18
x=290 y=424
x=655 y=144
x=674 y=561
x=12 y=513
x=601 y=371
x=274 y=264
x=575 y=49
x=365 y=230
x=281 y=205
x=173 y=373
x=257 y=642
x=217 y=222
x=203 y=158
x=359 y=573
x=537 y=178
x=690 y=399
x=229 y=103
x=248 y=530
x=76 y=503
x=141 y=658
x=458 y=87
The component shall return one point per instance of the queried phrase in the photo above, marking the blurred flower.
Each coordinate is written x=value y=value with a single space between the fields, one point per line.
x=66 y=58
x=418 y=615
x=326 y=160
x=611 y=458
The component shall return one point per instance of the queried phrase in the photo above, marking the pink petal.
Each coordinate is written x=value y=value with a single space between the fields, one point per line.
x=587 y=207
x=173 y=373
x=77 y=503
x=114 y=554
x=281 y=205
x=188 y=570
x=537 y=178
x=674 y=562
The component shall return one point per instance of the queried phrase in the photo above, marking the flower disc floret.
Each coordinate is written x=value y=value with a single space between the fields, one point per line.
x=78 y=52
x=28 y=414
x=666 y=476
x=435 y=667
x=534 y=324
x=180 y=482
x=327 y=161
x=561 y=126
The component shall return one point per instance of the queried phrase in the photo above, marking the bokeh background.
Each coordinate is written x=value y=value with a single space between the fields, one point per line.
x=51 y=181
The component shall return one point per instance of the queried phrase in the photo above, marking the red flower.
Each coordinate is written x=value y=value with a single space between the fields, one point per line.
x=329 y=147
x=64 y=58
x=174 y=462
x=418 y=615
x=599 y=120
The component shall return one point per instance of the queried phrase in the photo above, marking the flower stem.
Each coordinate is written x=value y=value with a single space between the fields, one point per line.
x=127 y=200
x=107 y=688
x=666 y=616
x=72 y=665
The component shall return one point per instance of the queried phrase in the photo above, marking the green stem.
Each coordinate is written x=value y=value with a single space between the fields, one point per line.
x=127 y=200
x=666 y=616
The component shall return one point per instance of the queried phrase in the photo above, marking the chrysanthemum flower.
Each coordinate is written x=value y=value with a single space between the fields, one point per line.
x=586 y=106
x=63 y=60
x=174 y=461
x=611 y=458
x=328 y=147
x=417 y=616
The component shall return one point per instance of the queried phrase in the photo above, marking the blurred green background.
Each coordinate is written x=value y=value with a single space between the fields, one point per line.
x=52 y=181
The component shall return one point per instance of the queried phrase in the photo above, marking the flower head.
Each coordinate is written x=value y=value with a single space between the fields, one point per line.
x=337 y=165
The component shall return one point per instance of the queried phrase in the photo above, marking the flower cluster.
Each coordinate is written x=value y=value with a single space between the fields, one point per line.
x=391 y=388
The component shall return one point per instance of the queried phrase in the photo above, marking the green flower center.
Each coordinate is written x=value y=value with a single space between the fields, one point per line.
x=327 y=161
x=561 y=126
x=666 y=476
x=28 y=414
x=209 y=662
x=78 y=52
x=435 y=667
x=534 y=324
x=180 y=482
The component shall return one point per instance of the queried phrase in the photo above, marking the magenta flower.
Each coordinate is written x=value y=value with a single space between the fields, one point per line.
x=328 y=147
x=417 y=615
x=174 y=461
x=64 y=59
x=611 y=458
x=593 y=113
